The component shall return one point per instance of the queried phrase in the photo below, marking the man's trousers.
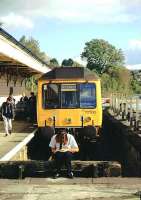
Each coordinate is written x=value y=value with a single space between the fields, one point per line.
x=61 y=158
x=7 y=124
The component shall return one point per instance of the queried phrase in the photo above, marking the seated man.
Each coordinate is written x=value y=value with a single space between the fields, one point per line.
x=63 y=145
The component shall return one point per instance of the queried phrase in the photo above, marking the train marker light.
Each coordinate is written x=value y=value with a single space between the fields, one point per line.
x=50 y=119
x=68 y=120
x=87 y=119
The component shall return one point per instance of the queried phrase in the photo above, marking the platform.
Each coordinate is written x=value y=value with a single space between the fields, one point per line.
x=71 y=189
x=21 y=130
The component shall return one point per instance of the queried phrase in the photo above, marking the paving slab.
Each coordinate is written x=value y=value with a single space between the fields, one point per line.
x=70 y=189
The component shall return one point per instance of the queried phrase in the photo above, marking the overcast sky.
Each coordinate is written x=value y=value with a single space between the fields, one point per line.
x=63 y=26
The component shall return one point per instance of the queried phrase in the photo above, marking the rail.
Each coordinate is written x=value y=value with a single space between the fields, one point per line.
x=127 y=109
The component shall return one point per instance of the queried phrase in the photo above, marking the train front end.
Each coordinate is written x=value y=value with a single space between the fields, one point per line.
x=69 y=97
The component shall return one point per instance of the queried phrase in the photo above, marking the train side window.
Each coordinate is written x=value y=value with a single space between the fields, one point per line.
x=50 y=94
x=87 y=95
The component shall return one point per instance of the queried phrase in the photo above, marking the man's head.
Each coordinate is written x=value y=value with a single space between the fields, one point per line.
x=32 y=93
x=9 y=100
x=61 y=136
x=62 y=131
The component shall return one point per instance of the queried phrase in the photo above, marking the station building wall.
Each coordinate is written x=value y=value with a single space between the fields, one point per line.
x=17 y=89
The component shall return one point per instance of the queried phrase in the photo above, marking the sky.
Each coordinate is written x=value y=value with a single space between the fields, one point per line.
x=62 y=27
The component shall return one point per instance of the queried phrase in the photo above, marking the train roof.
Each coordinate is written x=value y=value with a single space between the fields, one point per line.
x=70 y=73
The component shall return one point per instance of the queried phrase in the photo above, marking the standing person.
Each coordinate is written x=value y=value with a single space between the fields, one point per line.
x=63 y=145
x=24 y=98
x=7 y=115
x=12 y=100
x=32 y=107
x=24 y=103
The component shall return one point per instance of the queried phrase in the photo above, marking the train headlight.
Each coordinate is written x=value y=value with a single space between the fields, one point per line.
x=50 y=119
x=87 y=119
x=68 y=120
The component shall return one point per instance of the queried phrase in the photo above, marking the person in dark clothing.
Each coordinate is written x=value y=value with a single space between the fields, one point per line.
x=32 y=107
x=63 y=145
x=12 y=100
x=7 y=115
x=24 y=98
x=24 y=104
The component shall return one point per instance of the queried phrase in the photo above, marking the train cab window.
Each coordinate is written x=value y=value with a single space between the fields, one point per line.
x=69 y=96
x=87 y=95
x=50 y=96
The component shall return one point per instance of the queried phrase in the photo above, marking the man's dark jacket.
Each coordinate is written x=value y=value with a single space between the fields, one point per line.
x=7 y=110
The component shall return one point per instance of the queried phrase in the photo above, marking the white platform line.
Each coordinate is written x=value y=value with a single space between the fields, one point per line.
x=18 y=147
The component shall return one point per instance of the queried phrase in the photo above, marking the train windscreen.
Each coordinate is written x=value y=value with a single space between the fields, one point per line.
x=87 y=95
x=50 y=96
x=69 y=95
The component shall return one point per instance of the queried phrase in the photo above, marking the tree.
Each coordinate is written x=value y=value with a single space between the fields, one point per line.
x=116 y=79
x=33 y=46
x=68 y=62
x=101 y=55
x=54 y=62
x=71 y=63
x=136 y=82
x=76 y=64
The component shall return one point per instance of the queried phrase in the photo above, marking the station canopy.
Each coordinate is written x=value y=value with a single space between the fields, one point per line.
x=17 y=60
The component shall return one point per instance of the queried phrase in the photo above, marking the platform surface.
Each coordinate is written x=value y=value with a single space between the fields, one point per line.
x=71 y=189
x=21 y=130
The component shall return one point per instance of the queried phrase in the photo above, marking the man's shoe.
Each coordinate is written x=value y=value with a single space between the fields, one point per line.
x=6 y=135
x=70 y=175
x=10 y=132
x=57 y=175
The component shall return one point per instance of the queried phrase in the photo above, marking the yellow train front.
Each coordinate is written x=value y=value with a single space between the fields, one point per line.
x=70 y=97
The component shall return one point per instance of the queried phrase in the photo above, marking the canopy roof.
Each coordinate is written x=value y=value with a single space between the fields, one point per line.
x=17 y=59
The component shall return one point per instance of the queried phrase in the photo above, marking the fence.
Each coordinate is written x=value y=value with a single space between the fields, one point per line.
x=127 y=109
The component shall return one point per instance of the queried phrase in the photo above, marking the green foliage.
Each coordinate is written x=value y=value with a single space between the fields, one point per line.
x=31 y=84
x=136 y=83
x=71 y=63
x=101 y=55
x=33 y=46
x=76 y=64
x=107 y=61
x=68 y=62
x=116 y=79
x=54 y=63
x=136 y=86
